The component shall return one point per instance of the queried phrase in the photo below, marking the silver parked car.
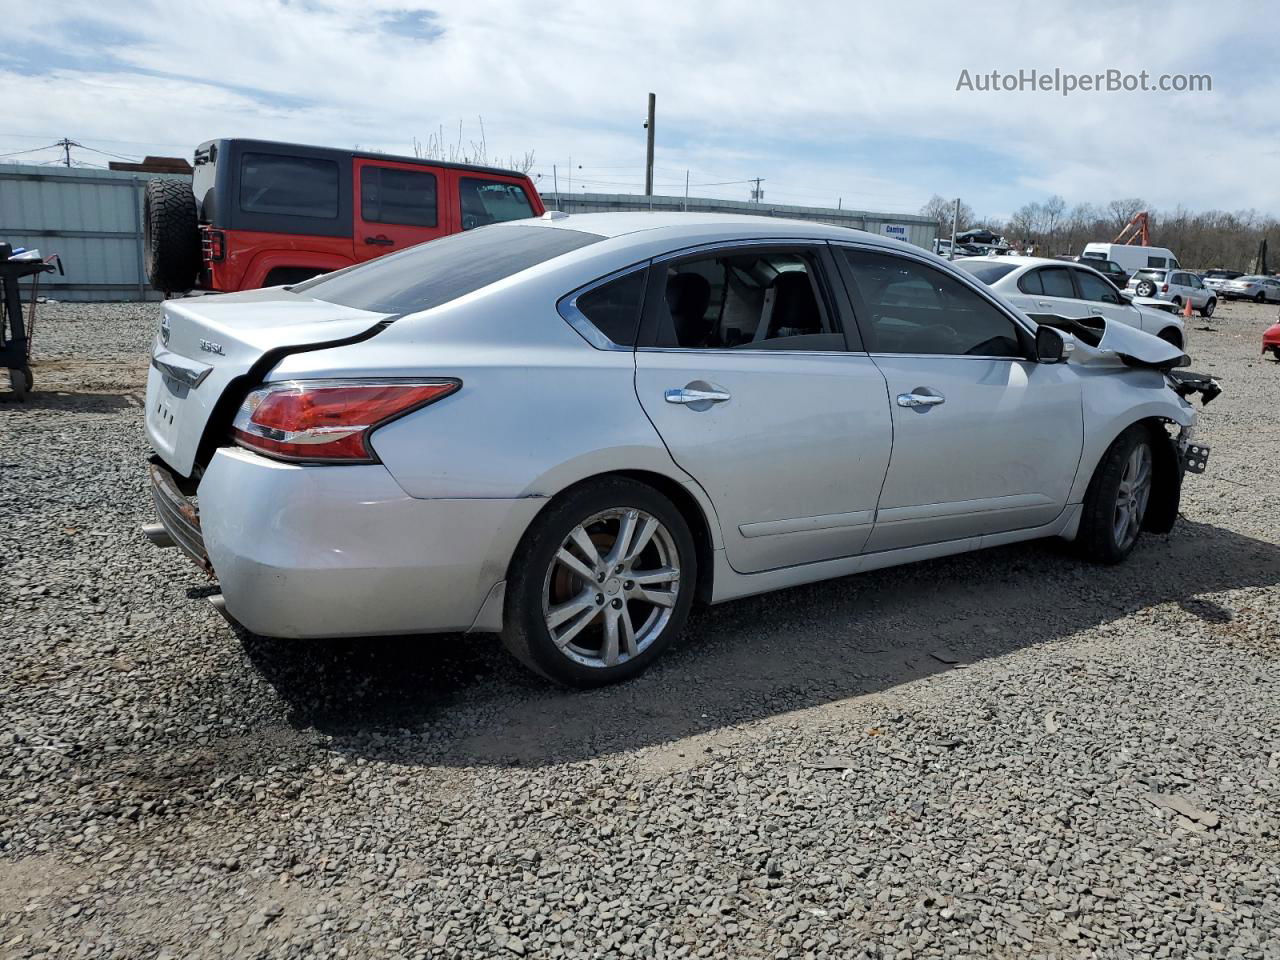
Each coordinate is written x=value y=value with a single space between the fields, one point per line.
x=565 y=430
x=1256 y=287
x=1178 y=287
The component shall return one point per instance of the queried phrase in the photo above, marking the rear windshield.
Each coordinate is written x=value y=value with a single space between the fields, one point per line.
x=441 y=270
x=985 y=271
x=1151 y=274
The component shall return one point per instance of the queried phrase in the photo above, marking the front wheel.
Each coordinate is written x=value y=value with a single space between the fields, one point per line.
x=1207 y=310
x=1260 y=297
x=1116 y=501
x=600 y=584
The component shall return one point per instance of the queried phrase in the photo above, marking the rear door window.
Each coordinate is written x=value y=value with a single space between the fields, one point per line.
x=430 y=274
x=391 y=195
x=288 y=186
x=1157 y=262
x=491 y=201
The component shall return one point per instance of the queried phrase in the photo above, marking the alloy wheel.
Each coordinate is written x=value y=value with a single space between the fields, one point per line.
x=1132 y=496
x=611 y=587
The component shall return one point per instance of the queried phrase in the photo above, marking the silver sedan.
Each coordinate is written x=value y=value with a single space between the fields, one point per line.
x=567 y=430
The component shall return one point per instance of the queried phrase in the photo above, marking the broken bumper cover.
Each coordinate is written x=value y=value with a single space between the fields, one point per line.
x=179 y=515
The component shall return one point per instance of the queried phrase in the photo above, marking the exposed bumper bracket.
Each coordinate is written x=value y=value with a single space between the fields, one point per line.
x=157 y=534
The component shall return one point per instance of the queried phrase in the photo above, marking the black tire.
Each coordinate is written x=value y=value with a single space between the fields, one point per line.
x=1097 y=539
x=1275 y=352
x=1145 y=288
x=1177 y=302
x=1260 y=297
x=534 y=568
x=171 y=236
x=1171 y=335
x=1207 y=310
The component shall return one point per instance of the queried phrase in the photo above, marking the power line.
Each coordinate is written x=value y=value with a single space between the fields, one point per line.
x=18 y=153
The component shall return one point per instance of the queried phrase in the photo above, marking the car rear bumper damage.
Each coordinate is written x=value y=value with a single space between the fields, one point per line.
x=322 y=551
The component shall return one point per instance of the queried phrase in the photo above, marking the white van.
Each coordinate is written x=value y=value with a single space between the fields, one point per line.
x=1131 y=258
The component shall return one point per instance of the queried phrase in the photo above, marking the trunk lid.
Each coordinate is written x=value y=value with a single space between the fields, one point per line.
x=206 y=344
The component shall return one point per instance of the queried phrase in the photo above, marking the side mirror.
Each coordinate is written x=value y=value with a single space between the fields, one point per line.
x=1126 y=295
x=1051 y=345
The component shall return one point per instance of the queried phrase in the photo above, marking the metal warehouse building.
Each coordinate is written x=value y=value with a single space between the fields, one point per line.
x=93 y=219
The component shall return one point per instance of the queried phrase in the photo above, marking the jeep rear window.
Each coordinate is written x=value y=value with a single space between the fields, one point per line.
x=289 y=186
x=442 y=270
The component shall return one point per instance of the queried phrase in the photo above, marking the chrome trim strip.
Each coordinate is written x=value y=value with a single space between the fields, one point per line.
x=178 y=367
x=830 y=521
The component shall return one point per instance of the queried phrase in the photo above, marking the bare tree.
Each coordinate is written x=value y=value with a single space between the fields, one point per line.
x=466 y=150
x=942 y=210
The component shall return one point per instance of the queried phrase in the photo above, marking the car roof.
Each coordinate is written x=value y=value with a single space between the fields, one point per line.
x=704 y=227
x=1022 y=261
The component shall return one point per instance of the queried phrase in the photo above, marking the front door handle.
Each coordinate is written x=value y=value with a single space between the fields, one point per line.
x=919 y=400
x=381 y=240
x=1045 y=303
x=689 y=395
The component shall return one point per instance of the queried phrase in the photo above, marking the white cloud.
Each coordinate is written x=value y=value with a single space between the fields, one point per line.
x=823 y=99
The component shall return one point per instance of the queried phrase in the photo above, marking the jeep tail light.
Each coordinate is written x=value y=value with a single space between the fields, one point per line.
x=328 y=421
x=215 y=245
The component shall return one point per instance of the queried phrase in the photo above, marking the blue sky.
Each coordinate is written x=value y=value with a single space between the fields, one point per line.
x=826 y=101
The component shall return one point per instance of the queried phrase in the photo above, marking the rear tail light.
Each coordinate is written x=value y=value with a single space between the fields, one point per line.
x=328 y=421
x=215 y=245
x=1165 y=288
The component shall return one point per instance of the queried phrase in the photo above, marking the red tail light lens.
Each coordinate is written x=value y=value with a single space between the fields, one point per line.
x=328 y=421
x=1165 y=288
x=215 y=245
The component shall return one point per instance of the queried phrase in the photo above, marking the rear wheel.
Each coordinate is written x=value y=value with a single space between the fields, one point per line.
x=171 y=236
x=1116 y=501
x=1207 y=310
x=1176 y=301
x=1260 y=297
x=600 y=584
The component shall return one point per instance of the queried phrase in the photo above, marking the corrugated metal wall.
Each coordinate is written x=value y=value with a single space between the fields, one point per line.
x=906 y=226
x=91 y=218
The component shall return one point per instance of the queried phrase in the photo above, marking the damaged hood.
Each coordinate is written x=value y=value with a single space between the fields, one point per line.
x=1098 y=340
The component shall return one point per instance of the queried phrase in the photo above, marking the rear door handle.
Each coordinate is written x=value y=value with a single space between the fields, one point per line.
x=920 y=400
x=688 y=395
x=381 y=240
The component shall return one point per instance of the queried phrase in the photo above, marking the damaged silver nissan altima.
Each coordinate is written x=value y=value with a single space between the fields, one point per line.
x=567 y=430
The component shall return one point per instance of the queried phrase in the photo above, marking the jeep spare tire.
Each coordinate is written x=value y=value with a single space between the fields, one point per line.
x=171 y=236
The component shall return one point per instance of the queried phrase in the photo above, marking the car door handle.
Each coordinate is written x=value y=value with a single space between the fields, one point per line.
x=381 y=240
x=919 y=400
x=1095 y=312
x=687 y=395
x=1045 y=303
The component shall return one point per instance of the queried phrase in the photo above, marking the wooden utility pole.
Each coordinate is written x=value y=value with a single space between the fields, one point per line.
x=648 y=161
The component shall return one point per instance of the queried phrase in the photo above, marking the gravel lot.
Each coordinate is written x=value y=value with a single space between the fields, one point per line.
x=1005 y=754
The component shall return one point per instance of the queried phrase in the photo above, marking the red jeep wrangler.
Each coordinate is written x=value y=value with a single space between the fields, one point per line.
x=257 y=213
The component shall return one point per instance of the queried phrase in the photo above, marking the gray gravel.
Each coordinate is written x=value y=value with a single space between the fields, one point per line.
x=1006 y=754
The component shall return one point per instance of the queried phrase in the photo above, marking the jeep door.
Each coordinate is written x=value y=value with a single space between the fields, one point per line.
x=397 y=205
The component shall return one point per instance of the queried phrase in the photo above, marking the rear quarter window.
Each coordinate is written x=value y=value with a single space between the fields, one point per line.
x=288 y=186
x=988 y=273
x=442 y=270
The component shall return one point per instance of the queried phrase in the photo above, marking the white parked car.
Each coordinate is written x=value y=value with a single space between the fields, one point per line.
x=1259 y=289
x=1037 y=285
x=1214 y=279
x=1177 y=287
x=565 y=430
